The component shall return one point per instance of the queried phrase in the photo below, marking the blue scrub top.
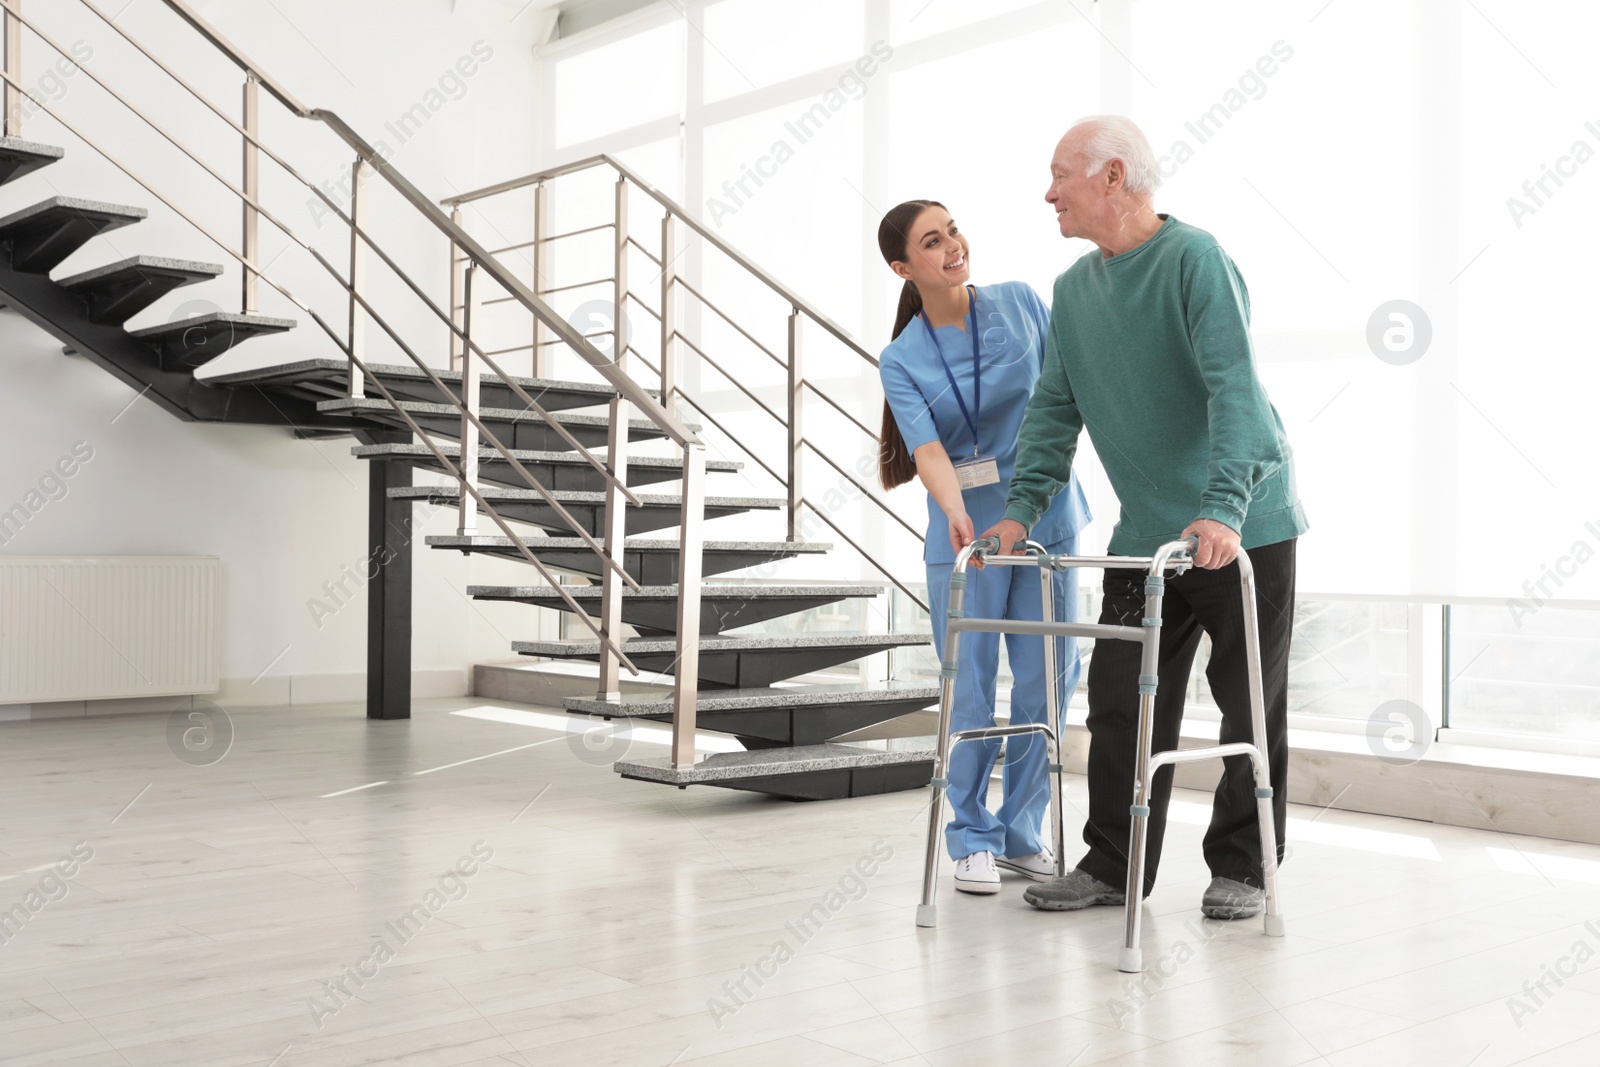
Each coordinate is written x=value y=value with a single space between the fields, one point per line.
x=1012 y=325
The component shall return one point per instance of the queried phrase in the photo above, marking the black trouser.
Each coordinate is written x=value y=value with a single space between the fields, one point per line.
x=1196 y=601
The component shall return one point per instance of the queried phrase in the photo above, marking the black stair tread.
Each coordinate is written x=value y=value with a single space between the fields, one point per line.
x=42 y=235
x=381 y=406
x=756 y=643
x=19 y=157
x=118 y=291
x=135 y=264
x=448 y=494
x=32 y=148
x=301 y=368
x=799 y=696
x=631 y=544
x=769 y=762
x=670 y=592
x=452 y=449
x=254 y=323
x=118 y=214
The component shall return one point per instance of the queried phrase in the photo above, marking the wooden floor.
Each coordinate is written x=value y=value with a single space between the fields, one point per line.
x=254 y=912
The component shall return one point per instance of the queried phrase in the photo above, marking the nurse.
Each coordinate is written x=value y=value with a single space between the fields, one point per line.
x=956 y=378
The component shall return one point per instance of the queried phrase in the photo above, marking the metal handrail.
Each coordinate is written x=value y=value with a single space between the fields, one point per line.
x=347 y=350
x=801 y=307
x=368 y=159
x=253 y=203
x=677 y=209
x=675 y=429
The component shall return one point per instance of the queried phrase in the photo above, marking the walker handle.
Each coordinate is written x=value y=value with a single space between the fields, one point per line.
x=984 y=546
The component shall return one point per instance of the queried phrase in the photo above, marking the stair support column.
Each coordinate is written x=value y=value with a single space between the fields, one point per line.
x=389 y=537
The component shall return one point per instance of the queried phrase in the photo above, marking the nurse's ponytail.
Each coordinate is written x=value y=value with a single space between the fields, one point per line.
x=895 y=465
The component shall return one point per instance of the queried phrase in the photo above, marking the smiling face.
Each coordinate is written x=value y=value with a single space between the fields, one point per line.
x=1078 y=199
x=936 y=252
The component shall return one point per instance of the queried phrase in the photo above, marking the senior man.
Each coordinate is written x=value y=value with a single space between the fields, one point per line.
x=1149 y=349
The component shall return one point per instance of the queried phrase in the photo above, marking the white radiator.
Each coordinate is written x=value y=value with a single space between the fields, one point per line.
x=95 y=627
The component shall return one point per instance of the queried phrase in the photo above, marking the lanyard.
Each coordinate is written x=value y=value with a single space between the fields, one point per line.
x=977 y=380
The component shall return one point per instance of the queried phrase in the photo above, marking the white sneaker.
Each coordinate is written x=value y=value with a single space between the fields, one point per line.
x=1041 y=866
x=976 y=874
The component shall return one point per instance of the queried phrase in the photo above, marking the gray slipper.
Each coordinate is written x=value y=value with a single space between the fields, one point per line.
x=1228 y=899
x=1077 y=889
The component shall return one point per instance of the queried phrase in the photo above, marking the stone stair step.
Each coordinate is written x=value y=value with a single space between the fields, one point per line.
x=807 y=772
x=516 y=428
x=653 y=609
x=555 y=470
x=118 y=291
x=656 y=511
x=194 y=342
x=773 y=716
x=650 y=562
x=43 y=234
x=19 y=157
x=739 y=662
x=329 y=378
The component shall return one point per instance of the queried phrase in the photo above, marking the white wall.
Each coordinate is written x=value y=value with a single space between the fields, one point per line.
x=284 y=515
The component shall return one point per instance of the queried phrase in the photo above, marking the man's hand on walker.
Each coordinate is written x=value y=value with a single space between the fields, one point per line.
x=961 y=531
x=1219 y=543
x=1008 y=532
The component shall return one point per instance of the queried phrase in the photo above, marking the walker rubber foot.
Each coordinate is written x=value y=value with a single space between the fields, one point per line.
x=1130 y=961
x=1274 y=925
x=927 y=915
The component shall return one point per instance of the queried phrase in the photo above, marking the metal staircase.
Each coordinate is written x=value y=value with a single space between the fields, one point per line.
x=550 y=461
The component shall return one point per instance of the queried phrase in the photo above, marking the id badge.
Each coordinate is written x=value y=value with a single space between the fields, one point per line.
x=977 y=471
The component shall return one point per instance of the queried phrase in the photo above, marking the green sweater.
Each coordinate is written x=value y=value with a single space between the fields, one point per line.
x=1151 y=351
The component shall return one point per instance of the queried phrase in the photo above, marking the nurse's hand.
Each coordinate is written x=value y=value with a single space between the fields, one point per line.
x=1219 y=543
x=1008 y=532
x=960 y=531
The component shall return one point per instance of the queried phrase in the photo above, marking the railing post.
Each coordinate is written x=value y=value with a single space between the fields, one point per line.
x=691 y=530
x=470 y=382
x=671 y=369
x=542 y=353
x=1444 y=666
x=13 y=31
x=458 y=306
x=358 y=275
x=252 y=191
x=616 y=515
x=796 y=429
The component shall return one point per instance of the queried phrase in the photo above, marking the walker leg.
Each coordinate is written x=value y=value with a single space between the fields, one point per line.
x=1132 y=908
x=1057 y=799
x=1149 y=665
x=1272 y=922
x=1273 y=919
x=1053 y=715
x=927 y=911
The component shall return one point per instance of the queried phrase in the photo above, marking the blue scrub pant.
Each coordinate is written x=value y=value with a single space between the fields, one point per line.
x=1004 y=592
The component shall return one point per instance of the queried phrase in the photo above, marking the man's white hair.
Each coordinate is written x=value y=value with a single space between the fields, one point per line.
x=1116 y=137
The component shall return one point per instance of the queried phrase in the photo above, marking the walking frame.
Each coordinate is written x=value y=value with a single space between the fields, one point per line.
x=1175 y=557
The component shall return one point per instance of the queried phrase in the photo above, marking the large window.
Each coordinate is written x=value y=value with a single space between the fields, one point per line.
x=1384 y=174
